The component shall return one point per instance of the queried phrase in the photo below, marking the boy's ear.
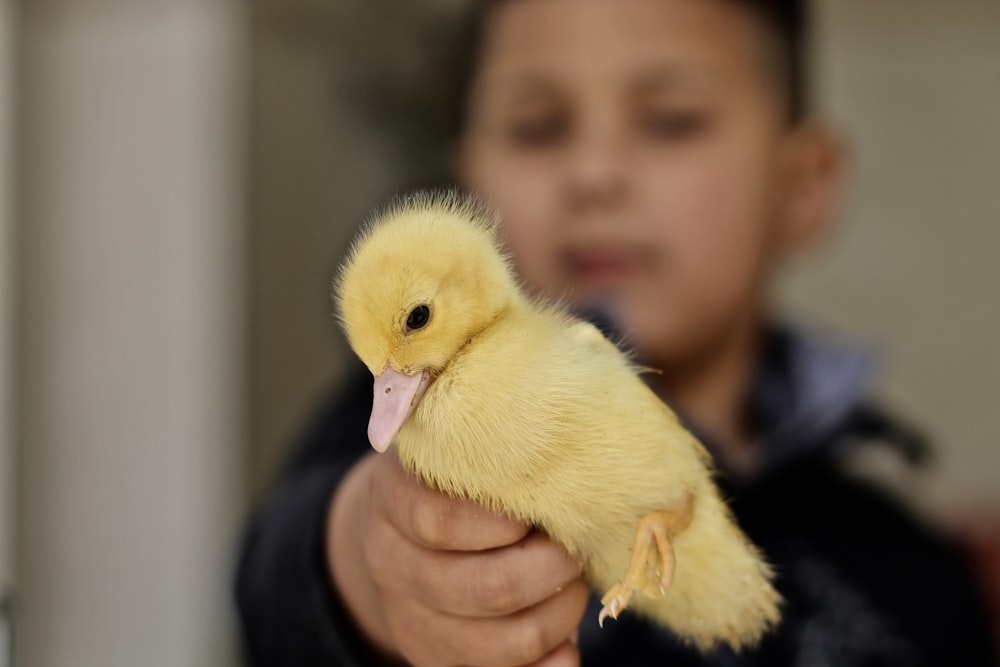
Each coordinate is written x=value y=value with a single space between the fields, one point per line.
x=815 y=182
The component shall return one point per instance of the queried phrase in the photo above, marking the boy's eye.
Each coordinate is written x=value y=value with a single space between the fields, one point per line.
x=672 y=125
x=539 y=131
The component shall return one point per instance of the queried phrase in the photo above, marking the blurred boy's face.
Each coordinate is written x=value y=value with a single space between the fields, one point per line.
x=636 y=151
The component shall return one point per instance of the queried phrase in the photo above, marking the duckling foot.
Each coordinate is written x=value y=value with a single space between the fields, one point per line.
x=651 y=565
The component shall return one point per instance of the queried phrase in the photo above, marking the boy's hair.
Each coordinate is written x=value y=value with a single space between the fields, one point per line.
x=785 y=22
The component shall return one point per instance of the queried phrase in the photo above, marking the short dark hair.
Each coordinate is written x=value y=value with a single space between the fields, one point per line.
x=785 y=21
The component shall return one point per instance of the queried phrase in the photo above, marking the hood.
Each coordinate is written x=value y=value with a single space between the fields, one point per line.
x=811 y=397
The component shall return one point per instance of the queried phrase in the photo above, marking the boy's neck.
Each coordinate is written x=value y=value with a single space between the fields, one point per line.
x=711 y=392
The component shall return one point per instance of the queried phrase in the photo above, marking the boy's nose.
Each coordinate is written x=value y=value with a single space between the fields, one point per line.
x=596 y=175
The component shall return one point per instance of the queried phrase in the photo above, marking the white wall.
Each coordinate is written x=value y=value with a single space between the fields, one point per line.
x=130 y=472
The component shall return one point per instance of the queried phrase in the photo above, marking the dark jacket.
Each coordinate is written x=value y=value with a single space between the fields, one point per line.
x=865 y=582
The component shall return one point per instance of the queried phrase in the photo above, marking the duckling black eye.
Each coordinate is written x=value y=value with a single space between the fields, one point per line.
x=418 y=318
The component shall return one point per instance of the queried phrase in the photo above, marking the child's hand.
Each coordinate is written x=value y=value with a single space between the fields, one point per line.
x=443 y=582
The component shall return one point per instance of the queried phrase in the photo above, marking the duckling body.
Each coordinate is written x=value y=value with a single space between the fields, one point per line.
x=535 y=414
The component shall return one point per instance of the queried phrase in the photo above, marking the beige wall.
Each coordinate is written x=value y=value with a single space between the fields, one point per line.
x=916 y=87
x=312 y=176
x=7 y=32
x=914 y=83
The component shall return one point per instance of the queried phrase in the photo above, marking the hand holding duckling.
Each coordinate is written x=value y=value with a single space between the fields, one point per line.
x=441 y=581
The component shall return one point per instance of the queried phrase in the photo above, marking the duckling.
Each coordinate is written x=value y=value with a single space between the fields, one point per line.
x=507 y=400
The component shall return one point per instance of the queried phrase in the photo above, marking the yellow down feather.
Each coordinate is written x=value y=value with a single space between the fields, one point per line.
x=534 y=414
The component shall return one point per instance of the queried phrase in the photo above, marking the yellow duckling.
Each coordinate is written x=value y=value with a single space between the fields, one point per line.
x=510 y=402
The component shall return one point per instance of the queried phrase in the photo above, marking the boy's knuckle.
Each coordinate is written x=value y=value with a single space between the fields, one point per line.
x=430 y=524
x=414 y=648
x=528 y=641
x=497 y=591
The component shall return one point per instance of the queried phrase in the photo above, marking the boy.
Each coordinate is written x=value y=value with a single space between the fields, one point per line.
x=652 y=157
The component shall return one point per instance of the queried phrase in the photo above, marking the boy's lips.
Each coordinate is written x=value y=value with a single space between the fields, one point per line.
x=604 y=264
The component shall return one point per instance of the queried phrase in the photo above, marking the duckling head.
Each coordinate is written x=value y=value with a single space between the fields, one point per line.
x=422 y=281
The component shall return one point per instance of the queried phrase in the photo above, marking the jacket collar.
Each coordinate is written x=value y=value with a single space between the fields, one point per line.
x=811 y=400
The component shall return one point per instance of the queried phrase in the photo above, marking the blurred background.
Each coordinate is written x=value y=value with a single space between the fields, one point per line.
x=178 y=180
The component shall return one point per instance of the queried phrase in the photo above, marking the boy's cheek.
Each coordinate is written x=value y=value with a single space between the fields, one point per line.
x=675 y=319
x=530 y=239
x=719 y=212
x=660 y=327
x=529 y=217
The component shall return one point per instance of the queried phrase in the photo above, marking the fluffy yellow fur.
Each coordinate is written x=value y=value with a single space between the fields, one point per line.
x=536 y=415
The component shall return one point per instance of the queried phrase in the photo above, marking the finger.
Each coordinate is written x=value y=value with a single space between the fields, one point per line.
x=532 y=633
x=492 y=583
x=435 y=520
x=425 y=636
x=564 y=655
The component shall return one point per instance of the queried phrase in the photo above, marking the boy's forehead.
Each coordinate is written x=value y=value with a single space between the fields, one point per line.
x=658 y=42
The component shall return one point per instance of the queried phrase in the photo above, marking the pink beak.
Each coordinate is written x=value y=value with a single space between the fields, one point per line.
x=396 y=394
